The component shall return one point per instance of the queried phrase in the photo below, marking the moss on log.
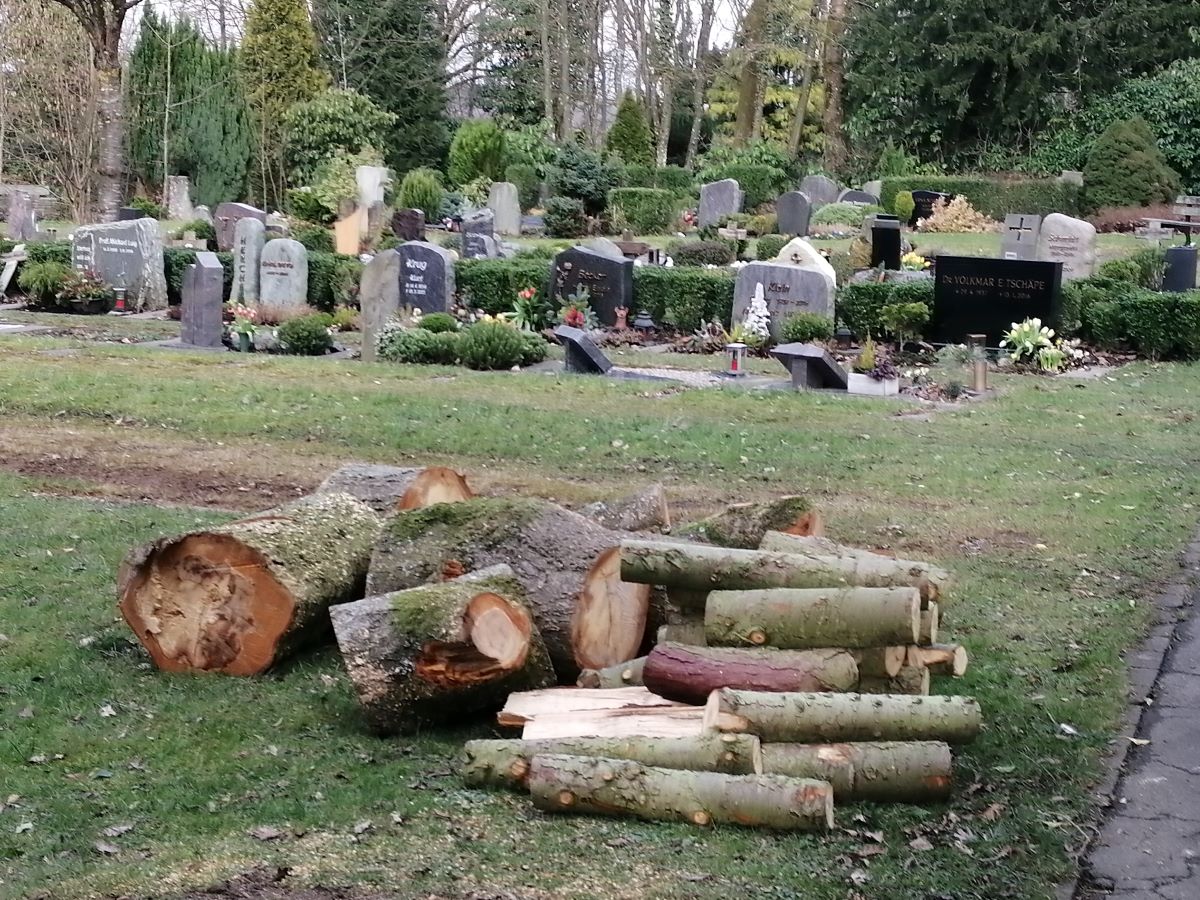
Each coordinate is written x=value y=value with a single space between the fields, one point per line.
x=744 y=524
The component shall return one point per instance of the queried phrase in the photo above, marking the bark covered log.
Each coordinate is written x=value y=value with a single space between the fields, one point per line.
x=689 y=674
x=801 y=618
x=579 y=784
x=880 y=662
x=622 y=675
x=909 y=680
x=568 y=565
x=645 y=510
x=744 y=524
x=387 y=489
x=940 y=659
x=440 y=652
x=506 y=763
x=884 y=771
x=239 y=598
x=809 y=718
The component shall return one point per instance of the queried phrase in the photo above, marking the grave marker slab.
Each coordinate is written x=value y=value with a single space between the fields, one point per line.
x=885 y=242
x=283 y=274
x=249 y=236
x=409 y=224
x=608 y=280
x=1069 y=241
x=347 y=234
x=378 y=298
x=129 y=214
x=582 y=354
x=202 y=319
x=811 y=366
x=719 y=200
x=820 y=189
x=1179 y=273
x=125 y=255
x=794 y=213
x=874 y=188
x=226 y=217
x=852 y=196
x=426 y=277
x=479 y=235
x=179 y=198
x=923 y=204
x=975 y=295
x=10 y=268
x=22 y=217
x=788 y=289
x=505 y=203
x=1020 y=237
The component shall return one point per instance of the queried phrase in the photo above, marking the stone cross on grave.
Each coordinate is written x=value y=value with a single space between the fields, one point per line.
x=1020 y=236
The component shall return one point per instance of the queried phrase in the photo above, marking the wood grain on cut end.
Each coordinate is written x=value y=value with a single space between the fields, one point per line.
x=435 y=484
x=609 y=620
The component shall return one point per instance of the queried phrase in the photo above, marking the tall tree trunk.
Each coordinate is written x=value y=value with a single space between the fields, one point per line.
x=811 y=55
x=564 y=72
x=665 y=34
x=836 y=151
x=547 y=65
x=700 y=71
x=749 y=93
x=110 y=167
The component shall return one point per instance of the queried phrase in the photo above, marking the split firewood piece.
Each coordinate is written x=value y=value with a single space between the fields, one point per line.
x=440 y=652
x=569 y=566
x=883 y=771
x=744 y=524
x=700 y=567
x=929 y=625
x=933 y=582
x=690 y=674
x=821 y=718
x=579 y=784
x=387 y=489
x=676 y=720
x=880 y=662
x=506 y=763
x=623 y=675
x=940 y=659
x=525 y=706
x=239 y=598
x=643 y=511
x=909 y=680
x=802 y=618
x=684 y=633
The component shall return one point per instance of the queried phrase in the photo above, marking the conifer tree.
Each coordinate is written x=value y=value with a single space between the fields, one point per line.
x=1127 y=168
x=630 y=134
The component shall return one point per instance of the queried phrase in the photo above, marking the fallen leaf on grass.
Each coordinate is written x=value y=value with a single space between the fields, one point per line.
x=920 y=844
x=363 y=826
x=37 y=759
x=26 y=713
x=24 y=827
x=116 y=830
x=106 y=848
x=992 y=813
x=265 y=833
x=859 y=877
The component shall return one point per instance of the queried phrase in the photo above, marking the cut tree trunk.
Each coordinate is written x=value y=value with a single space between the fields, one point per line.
x=884 y=771
x=440 y=652
x=880 y=662
x=745 y=524
x=506 y=763
x=909 y=680
x=387 y=489
x=801 y=618
x=623 y=675
x=239 y=598
x=568 y=564
x=873 y=568
x=642 y=511
x=579 y=784
x=690 y=674
x=811 y=718
x=940 y=659
x=929 y=625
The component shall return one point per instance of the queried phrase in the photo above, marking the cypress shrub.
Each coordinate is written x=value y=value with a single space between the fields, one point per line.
x=643 y=210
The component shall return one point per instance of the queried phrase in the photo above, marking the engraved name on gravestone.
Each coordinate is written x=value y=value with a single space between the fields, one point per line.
x=283 y=274
x=126 y=255
x=976 y=295
x=788 y=289
x=1069 y=241
x=426 y=277
x=249 y=236
x=608 y=281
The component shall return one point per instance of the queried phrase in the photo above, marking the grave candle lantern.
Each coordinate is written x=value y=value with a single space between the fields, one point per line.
x=736 y=354
x=119 y=304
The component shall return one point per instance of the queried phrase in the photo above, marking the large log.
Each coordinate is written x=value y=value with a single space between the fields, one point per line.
x=506 y=763
x=239 y=598
x=909 y=680
x=939 y=659
x=568 y=565
x=932 y=581
x=801 y=618
x=642 y=511
x=580 y=784
x=822 y=718
x=440 y=652
x=622 y=675
x=387 y=489
x=884 y=771
x=744 y=524
x=689 y=674
x=880 y=662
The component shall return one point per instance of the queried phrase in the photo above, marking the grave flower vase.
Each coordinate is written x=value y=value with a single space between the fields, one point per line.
x=245 y=340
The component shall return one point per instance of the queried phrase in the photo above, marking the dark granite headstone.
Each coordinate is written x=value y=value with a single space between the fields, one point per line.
x=129 y=214
x=225 y=219
x=608 y=280
x=850 y=195
x=923 y=205
x=1180 y=272
x=794 y=213
x=126 y=255
x=975 y=295
x=479 y=235
x=583 y=356
x=885 y=242
x=201 y=322
x=812 y=367
x=426 y=277
x=409 y=224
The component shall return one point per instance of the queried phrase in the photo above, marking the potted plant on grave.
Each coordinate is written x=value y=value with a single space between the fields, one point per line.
x=243 y=327
x=873 y=373
x=576 y=310
x=85 y=293
x=1032 y=345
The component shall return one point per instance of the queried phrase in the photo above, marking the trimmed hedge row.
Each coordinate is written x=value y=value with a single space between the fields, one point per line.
x=643 y=210
x=860 y=305
x=676 y=179
x=993 y=197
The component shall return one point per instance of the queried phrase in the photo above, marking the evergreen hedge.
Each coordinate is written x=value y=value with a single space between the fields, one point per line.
x=676 y=179
x=993 y=197
x=643 y=210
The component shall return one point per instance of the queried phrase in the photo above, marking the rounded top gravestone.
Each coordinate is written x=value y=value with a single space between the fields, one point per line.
x=718 y=200
x=794 y=213
x=283 y=274
x=505 y=203
x=820 y=189
x=249 y=235
x=799 y=252
x=1069 y=241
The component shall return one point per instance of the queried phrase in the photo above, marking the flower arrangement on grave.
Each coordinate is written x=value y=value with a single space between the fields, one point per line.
x=85 y=292
x=576 y=310
x=755 y=328
x=874 y=362
x=245 y=319
x=1032 y=342
x=530 y=311
x=914 y=262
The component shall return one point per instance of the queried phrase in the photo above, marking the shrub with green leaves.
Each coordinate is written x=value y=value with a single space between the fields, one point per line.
x=204 y=231
x=422 y=189
x=333 y=280
x=398 y=344
x=642 y=210
x=492 y=284
x=335 y=181
x=685 y=297
x=438 y=322
x=333 y=121
x=148 y=208
x=904 y=206
x=630 y=136
x=49 y=251
x=676 y=179
x=491 y=346
x=851 y=214
x=444 y=349
x=768 y=246
x=533 y=348
x=861 y=305
x=477 y=151
x=994 y=197
x=1126 y=168
x=806 y=327
x=529 y=186
x=583 y=174
x=565 y=217
x=41 y=282
x=315 y=238
x=701 y=253
x=306 y=336
x=905 y=321
x=760 y=183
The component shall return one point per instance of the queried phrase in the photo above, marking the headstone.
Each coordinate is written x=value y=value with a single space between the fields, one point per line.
x=249 y=235
x=794 y=213
x=202 y=214
x=583 y=356
x=226 y=217
x=479 y=235
x=1020 y=236
x=179 y=198
x=125 y=255
x=885 y=242
x=608 y=280
x=10 y=268
x=375 y=218
x=811 y=366
x=202 y=319
x=799 y=252
x=409 y=224
x=426 y=277
x=372 y=184
x=277 y=226
x=976 y=295
x=923 y=204
x=604 y=247
x=788 y=289
x=1179 y=274
x=820 y=189
x=718 y=201
x=874 y=188
x=378 y=298
x=852 y=196
x=1070 y=176
x=283 y=274
x=505 y=202
x=1069 y=241
x=129 y=214
x=22 y=218
x=347 y=235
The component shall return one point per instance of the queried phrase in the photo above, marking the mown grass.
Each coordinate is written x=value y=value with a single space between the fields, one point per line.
x=1058 y=506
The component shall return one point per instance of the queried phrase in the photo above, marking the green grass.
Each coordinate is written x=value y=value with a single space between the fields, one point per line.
x=1057 y=505
x=1108 y=246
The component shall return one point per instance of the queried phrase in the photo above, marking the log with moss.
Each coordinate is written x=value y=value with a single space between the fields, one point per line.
x=872 y=568
x=506 y=763
x=621 y=675
x=823 y=718
x=883 y=771
x=909 y=680
x=615 y=787
x=801 y=618
x=744 y=524
x=645 y=510
x=689 y=674
x=569 y=566
x=240 y=597
x=939 y=659
x=387 y=489
x=440 y=653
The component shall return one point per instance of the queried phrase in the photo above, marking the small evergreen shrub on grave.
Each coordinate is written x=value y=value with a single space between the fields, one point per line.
x=148 y=208
x=477 y=151
x=533 y=348
x=585 y=175
x=315 y=238
x=1152 y=263
x=904 y=206
x=529 y=186
x=905 y=321
x=1126 y=168
x=684 y=297
x=333 y=280
x=760 y=183
x=49 y=251
x=443 y=351
x=41 y=282
x=413 y=346
x=1125 y=270
x=438 y=322
x=565 y=217
x=492 y=285
x=422 y=189
x=204 y=231
x=994 y=197
x=630 y=136
x=768 y=246
x=844 y=214
x=306 y=336
x=806 y=327
x=918 y=291
x=491 y=346
x=701 y=253
x=642 y=210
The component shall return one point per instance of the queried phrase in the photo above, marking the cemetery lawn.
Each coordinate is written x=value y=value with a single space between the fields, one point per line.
x=1060 y=506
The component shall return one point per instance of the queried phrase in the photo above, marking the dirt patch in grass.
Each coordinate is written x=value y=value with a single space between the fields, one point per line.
x=270 y=884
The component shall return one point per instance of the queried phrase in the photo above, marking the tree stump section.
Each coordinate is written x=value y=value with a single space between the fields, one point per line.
x=744 y=525
x=883 y=772
x=643 y=511
x=239 y=598
x=880 y=662
x=387 y=489
x=928 y=631
x=623 y=675
x=939 y=659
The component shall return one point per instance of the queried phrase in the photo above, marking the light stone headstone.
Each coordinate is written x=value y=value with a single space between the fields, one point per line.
x=283 y=274
x=794 y=213
x=426 y=277
x=125 y=255
x=179 y=198
x=820 y=189
x=874 y=188
x=378 y=298
x=225 y=219
x=718 y=201
x=347 y=234
x=479 y=235
x=22 y=217
x=1069 y=241
x=505 y=202
x=788 y=289
x=1020 y=237
x=1069 y=176
x=202 y=319
x=372 y=184
x=249 y=236
x=604 y=247
x=202 y=214
x=799 y=252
